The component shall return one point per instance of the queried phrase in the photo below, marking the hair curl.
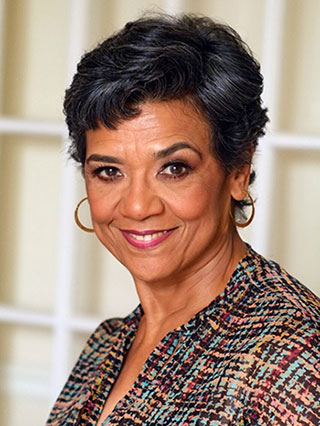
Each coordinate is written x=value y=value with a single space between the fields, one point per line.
x=162 y=58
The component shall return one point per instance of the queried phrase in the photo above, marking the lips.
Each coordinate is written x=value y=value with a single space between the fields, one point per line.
x=146 y=239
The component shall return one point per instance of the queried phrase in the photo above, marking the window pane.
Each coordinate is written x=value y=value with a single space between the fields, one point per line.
x=34 y=60
x=24 y=375
x=29 y=198
x=296 y=225
x=104 y=287
x=17 y=410
x=300 y=100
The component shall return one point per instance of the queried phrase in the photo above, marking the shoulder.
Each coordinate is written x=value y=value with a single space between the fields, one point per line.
x=105 y=338
x=282 y=313
x=275 y=293
x=100 y=343
x=281 y=320
x=276 y=320
x=275 y=313
x=106 y=334
x=76 y=390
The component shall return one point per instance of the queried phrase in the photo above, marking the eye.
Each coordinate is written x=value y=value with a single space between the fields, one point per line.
x=108 y=173
x=175 y=169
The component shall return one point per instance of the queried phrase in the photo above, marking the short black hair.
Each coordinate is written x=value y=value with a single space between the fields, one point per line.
x=163 y=58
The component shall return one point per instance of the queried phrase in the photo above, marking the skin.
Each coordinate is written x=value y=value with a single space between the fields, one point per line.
x=156 y=172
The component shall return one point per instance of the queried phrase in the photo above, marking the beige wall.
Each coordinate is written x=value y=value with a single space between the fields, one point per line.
x=34 y=74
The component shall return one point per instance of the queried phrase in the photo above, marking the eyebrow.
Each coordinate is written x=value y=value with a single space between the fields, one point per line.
x=176 y=147
x=103 y=159
x=160 y=154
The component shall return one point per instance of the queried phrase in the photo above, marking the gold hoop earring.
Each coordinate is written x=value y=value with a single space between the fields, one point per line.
x=76 y=217
x=243 y=225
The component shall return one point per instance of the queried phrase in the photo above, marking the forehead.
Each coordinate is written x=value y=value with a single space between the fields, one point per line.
x=157 y=124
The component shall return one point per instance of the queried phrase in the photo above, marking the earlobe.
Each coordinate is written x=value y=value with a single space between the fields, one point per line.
x=239 y=182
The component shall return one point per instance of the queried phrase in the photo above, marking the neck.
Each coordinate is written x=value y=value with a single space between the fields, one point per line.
x=169 y=304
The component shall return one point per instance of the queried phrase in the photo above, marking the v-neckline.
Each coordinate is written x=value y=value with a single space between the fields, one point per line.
x=179 y=334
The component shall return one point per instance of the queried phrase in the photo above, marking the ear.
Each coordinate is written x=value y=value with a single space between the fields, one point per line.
x=239 y=182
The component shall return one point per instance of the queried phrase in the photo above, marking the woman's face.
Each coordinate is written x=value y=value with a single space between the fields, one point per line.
x=159 y=200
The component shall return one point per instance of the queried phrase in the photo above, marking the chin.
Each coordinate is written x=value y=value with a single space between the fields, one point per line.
x=149 y=275
x=150 y=272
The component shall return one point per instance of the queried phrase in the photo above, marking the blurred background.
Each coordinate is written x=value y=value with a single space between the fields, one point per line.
x=57 y=282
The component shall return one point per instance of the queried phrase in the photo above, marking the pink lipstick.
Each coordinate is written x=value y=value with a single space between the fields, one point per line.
x=146 y=239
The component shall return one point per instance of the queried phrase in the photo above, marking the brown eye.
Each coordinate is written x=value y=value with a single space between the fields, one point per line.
x=111 y=171
x=175 y=170
x=108 y=173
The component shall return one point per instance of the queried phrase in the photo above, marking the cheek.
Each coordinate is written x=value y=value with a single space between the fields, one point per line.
x=101 y=206
x=197 y=202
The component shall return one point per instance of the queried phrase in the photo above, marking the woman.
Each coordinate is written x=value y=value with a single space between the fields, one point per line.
x=164 y=118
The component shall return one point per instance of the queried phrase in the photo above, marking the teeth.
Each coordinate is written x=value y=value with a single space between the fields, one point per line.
x=147 y=237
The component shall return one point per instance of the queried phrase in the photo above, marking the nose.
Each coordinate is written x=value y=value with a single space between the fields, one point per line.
x=140 y=201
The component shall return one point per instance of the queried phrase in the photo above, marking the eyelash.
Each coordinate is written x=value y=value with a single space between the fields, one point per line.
x=97 y=172
x=178 y=163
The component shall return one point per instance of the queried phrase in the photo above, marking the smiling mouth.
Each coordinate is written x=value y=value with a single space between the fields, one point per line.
x=146 y=239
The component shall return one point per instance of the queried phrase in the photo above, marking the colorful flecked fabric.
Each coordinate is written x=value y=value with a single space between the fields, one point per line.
x=252 y=357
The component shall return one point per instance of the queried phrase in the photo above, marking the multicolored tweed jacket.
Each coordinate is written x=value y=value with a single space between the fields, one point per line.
x=252 y=357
